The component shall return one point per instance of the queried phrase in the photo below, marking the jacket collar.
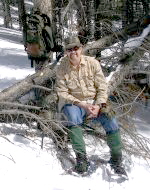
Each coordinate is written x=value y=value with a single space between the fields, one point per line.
x=82 y=61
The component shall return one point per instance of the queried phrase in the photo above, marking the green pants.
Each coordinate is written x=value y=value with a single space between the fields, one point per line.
x=115 y=145
x=113 y=141
x=76 y=137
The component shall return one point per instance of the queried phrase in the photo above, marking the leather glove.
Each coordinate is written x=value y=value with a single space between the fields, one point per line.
x=107 y=109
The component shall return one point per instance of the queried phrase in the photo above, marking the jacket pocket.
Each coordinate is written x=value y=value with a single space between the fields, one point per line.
x=90 y=81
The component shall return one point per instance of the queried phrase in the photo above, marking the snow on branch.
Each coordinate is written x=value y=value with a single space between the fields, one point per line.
x=125 y=65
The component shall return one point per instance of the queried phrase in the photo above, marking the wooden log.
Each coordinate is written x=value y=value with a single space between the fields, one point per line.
x=17 y=90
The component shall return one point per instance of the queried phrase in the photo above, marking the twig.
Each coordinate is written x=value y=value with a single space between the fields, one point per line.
x=9 y=158
x=17 y=105
x=43 y=88
x=130 y=104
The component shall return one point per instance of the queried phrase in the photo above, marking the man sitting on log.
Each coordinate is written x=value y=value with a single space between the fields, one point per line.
x=82 y=92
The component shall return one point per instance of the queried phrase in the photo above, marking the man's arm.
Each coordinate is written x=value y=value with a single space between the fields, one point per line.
x=100 y=84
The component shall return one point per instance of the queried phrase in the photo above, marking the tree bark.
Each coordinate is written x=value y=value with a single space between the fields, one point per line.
x=90 y=19
x=7 y=15
x=146 y=7
x=81 y=18
x=14 y=92
x=22 y=19
x=45 y=7
x=57 y=20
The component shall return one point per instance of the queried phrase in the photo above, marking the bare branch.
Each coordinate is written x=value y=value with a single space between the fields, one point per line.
x=42 y=88
x=17 y=105
x=10 y=158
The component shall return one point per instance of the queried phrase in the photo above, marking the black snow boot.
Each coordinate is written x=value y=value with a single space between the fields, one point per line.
x=81 y=163
x=116 y=164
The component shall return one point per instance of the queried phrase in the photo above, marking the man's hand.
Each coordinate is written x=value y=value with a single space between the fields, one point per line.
x=92 y=110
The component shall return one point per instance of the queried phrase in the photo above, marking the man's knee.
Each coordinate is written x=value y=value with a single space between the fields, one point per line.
x=73 y=114
x=110 y=125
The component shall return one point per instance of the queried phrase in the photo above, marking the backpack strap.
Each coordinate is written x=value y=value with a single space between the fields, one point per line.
x=46 y=19
x=48 y=37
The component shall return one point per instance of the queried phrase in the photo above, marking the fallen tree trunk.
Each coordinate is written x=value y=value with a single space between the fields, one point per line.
x=105 y=42
x=19 y=89
x=126 y=64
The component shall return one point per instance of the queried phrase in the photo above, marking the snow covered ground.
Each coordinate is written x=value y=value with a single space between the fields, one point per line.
x=24 y=165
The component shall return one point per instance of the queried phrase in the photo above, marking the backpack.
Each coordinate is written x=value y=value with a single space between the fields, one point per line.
x=39 y=37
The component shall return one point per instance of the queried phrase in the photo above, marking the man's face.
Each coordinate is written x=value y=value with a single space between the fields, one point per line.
x=33 y=49
x=74 y=54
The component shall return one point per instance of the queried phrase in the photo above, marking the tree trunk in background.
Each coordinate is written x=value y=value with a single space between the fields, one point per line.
x=81 y=18
x=129 y=11
x=45 y=7
x=90 y=18
x=7 y=15
x=22 y=18
x=56 y=20
x=97 y=33
x=124 y=14
x=146 y=7
x=134 y=10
